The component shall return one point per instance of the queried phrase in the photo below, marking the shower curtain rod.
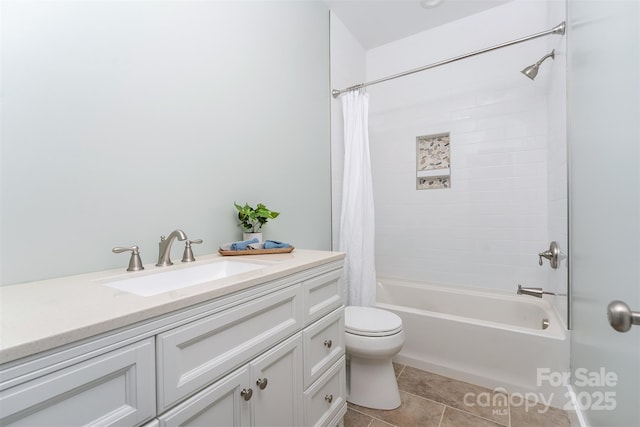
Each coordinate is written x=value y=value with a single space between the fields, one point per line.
x=558 y=29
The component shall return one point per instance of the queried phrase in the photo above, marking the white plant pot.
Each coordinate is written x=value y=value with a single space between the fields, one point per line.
x=249 y=236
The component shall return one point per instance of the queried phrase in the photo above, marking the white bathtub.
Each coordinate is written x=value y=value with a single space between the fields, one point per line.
x=492 y=339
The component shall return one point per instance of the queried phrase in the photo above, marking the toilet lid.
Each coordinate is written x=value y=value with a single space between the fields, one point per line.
x=371 y=322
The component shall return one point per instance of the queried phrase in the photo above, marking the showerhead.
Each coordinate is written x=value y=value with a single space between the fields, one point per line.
x=532 y=70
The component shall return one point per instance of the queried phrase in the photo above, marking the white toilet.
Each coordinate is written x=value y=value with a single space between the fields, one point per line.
x=373 y=337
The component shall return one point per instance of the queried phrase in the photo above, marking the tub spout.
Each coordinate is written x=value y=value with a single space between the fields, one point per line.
x=534 y=292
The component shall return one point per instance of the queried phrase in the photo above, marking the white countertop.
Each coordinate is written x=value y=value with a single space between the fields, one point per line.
x=42 y=315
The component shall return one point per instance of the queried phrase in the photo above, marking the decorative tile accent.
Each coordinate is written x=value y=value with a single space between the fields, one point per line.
x=433 y=152
x=433 y=182
x=433 y=161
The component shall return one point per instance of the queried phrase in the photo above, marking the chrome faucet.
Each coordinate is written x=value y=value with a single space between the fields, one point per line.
x=164 y=253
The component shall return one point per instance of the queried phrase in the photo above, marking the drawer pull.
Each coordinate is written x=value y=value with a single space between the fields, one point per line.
x=329 y=398
x=262 y=383
x=328 y=343
x=246 y=393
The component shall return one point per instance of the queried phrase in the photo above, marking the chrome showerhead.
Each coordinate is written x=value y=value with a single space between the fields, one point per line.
x=532 y=70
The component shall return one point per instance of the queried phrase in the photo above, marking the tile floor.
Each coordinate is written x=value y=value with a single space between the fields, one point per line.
x=430 y=400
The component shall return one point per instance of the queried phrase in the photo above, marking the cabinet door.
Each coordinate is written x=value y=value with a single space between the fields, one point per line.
x=276 y=378
x=322 y=295
x=323 y=345
x=326 y=398
x=117 y=388
x=194 y=355
x=220 y=404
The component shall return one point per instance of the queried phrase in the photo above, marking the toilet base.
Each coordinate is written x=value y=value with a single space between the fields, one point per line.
x=373 y=384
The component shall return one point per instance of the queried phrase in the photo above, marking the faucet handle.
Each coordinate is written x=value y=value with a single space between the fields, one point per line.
x=551 y=254
x=187 y=256
x=135 y=263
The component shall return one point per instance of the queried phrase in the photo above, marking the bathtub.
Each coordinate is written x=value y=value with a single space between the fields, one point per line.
x=489 y=338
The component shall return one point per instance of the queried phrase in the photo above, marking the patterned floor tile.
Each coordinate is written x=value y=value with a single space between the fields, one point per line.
x=460 y=395
x=537 y=415
x=356 y=419
x=456 y=418
x=414 y=411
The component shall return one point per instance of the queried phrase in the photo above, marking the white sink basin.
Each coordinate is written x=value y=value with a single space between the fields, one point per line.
x=164 y=281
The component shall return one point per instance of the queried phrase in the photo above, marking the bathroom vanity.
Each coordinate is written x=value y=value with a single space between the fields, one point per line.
x=258 y=347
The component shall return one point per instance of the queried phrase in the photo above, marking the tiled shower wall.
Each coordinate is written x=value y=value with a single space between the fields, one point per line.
x=487 y=229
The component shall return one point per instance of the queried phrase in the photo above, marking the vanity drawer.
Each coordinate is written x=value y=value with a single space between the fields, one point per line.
x=194 y=355
x=116 y=388
x=323 y=345
x=325 y=399
x=322 y=295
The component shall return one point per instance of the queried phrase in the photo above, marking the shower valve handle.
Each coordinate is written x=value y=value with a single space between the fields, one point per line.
x=551 y=254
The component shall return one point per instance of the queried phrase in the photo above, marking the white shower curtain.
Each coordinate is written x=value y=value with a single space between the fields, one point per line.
x=357 y=225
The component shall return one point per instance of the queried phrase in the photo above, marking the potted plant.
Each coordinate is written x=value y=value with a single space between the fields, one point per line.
x=252 y=219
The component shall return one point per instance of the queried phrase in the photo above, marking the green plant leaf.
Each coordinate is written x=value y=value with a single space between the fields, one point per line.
x=252 y=219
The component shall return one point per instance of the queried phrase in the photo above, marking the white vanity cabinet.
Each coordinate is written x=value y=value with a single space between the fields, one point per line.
x=193 y=355
x=269 y=355
x=114 y=389
x=265 y=392
x=298 y=382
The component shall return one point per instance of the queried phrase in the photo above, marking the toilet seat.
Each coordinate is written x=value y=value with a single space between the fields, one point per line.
x=371 y=322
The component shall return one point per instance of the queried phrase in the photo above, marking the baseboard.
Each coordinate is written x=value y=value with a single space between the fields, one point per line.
x=558 y=397
x=576 y=416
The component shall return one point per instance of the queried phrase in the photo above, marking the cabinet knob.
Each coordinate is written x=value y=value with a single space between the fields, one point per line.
x=328 y=343
x=246 y=393
x=262 y=383
x=328 y=398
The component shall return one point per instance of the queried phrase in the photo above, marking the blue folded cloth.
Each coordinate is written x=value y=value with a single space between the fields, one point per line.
x=242 y=246
x=272 y=244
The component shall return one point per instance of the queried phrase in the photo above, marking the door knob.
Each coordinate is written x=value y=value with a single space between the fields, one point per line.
x=621 y=318
x=262 y=383
x=246 y=393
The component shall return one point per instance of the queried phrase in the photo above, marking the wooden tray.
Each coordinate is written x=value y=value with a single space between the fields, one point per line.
x=257 y=251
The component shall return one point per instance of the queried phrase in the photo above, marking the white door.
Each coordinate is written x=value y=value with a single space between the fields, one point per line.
x=604 y=138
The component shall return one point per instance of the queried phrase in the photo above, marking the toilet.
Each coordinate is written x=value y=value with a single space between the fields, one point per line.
x=373 y=336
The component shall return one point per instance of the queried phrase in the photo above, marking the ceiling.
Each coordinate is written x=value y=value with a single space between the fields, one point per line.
x=377 y=22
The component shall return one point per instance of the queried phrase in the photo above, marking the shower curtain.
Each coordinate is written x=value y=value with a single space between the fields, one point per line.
x=357 y=225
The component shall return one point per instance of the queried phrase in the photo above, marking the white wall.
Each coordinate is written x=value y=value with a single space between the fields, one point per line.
x=123 y=120
x=348 y=67
x=487 y=230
